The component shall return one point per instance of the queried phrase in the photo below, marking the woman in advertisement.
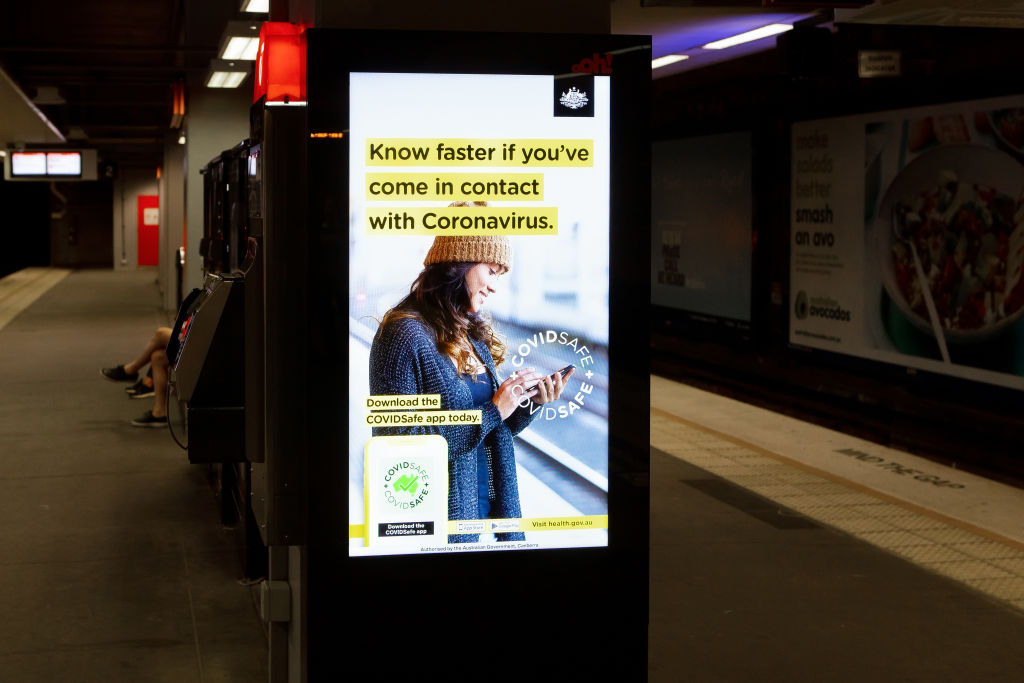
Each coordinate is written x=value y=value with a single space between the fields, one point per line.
x=437 y=340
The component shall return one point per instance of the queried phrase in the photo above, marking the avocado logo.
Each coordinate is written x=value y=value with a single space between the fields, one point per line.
x=406 y=485
x=801 y=307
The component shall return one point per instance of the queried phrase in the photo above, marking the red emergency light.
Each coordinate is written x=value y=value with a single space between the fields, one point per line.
x=281 y=62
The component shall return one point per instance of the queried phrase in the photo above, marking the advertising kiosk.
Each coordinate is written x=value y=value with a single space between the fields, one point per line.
x=454 y=253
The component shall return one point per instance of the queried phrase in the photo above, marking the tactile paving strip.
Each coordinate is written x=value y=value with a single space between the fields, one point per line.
x=985 y=564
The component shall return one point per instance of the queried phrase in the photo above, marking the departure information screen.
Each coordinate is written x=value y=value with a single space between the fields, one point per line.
x=67 y=164
x=478 y=311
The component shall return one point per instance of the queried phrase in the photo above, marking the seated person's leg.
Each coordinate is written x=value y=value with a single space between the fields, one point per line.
x=158 y=416
x=130 y=371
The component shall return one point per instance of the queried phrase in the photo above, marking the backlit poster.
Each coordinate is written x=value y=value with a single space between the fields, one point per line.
x=908 y=238
x=478 y=312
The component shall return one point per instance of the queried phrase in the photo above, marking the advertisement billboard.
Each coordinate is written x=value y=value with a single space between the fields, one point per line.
x=702 y=224
x=907 y=238
x=467 y=336
x=478 y=312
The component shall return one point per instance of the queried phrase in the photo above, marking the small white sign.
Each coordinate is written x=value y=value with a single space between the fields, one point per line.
x=879 y=63
x=406 y=490
x=151 y=216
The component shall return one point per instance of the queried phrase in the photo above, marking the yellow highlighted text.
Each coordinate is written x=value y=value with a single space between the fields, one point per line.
x=457 y=220
x=478 y=152
x=455 y=187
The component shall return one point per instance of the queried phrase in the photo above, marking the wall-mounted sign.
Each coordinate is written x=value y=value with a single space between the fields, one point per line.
x=148 y=230
x=879 y=63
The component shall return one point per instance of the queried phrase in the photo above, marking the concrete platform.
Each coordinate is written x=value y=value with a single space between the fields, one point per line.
x=775 y=555
x=115 y=564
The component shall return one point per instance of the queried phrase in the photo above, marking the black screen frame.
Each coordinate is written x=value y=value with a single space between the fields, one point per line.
x=599 y=592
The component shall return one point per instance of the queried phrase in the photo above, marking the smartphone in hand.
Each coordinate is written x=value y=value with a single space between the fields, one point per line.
x=563 y=372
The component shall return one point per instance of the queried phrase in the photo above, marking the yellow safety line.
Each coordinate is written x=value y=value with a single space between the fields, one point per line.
x=966 y=526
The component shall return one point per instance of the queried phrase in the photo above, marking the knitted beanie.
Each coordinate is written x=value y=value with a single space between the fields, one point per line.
x=470 y=249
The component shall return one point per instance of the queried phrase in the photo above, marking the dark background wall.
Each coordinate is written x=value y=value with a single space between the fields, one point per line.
x=24 y=226
x=80 y=230
x=813 y=74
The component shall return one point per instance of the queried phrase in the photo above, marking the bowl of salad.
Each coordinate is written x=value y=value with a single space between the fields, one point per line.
x=962 y=208
x=1008 y=126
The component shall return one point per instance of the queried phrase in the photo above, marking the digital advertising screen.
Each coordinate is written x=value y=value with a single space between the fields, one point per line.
x=478 y=312
x=478 y=300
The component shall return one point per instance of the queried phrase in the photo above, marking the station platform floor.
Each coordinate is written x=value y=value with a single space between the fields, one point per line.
x=780 y=550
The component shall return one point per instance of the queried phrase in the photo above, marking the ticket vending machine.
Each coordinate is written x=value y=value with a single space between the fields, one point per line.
x=411 y=526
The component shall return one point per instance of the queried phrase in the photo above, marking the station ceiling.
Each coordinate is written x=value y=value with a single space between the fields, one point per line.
x=102 y=72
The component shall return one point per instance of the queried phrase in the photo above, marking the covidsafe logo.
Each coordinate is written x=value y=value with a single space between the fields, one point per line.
x=406 y=485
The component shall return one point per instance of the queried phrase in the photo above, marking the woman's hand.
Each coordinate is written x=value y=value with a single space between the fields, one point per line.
x=511 y=392
x=550 y=387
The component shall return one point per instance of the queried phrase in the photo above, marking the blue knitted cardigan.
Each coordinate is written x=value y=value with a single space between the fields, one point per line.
x=404 y=360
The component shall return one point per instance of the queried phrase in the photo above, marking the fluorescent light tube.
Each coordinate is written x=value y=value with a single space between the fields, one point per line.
x=756 y=34
x=666 y=60
x=241 y=47
x=226 y=79
x=234 y=79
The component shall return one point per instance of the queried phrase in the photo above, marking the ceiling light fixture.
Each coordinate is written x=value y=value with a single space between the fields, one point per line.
x=256 y=6
x=181 y=138
x=240 y=40
x=226 y=74
x=666 y=60
x=756 y=34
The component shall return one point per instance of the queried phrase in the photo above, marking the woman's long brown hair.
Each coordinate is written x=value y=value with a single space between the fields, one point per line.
x=439 y=297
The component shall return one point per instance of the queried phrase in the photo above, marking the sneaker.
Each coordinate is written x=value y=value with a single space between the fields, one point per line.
x=148 y=420
x=139 y=390
x=135 y=387
x=117 y=374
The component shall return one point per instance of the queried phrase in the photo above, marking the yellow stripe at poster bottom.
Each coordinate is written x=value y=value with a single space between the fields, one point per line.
x=511 y=525
x=564 y=523
x=498 y=526
x=455 y=220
